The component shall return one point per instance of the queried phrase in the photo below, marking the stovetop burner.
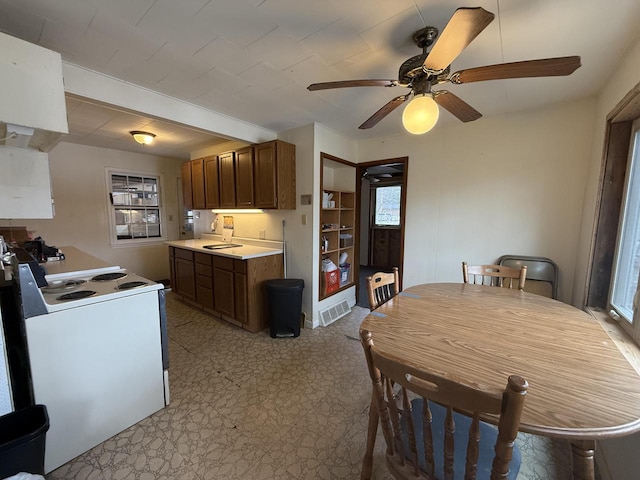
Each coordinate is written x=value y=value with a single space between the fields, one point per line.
x=77 y=295
x=62 y=286
x=106 y=277
x=128 y=285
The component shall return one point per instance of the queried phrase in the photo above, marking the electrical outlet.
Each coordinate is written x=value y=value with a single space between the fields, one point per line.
x=261 y=234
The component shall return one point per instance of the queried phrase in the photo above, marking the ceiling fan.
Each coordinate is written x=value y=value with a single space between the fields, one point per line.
x=421 y=72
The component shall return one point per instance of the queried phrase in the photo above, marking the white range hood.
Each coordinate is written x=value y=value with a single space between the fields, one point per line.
x=33 y=118
x=32 y=105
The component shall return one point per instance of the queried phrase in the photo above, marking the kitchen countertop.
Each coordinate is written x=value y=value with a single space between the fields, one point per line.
x=75 y=261
x=251 y=248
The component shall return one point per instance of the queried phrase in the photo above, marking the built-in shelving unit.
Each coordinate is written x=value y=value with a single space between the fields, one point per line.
x=337 y=226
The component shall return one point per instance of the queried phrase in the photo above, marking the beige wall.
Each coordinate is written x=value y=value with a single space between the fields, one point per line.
x=508 y=184
x=78 y=179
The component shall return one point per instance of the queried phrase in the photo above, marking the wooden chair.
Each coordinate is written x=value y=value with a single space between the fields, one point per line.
x=427 y=437
x=494 y=275
x=381 y=287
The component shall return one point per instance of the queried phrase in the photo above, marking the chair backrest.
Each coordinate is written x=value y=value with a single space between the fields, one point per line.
x=543 y=271
x=418 y=444
x=494 y=275
x=381 y=287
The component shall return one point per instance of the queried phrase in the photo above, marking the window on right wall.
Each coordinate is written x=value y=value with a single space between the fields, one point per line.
x=614 y=269
x=623 y=296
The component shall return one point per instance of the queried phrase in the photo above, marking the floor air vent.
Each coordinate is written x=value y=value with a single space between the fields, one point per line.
x=334 y=312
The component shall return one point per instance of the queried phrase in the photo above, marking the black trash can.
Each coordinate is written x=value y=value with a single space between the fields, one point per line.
x=284 y=300
x=22 y=439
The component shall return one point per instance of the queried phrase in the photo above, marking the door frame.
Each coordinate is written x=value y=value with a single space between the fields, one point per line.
x=360 y=168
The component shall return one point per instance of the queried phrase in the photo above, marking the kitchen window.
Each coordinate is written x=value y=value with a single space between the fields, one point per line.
x=135 y=204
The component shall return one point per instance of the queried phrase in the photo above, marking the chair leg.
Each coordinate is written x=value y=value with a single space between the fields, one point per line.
x=372 y=431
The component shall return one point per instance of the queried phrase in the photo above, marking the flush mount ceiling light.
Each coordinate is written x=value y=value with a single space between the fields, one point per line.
x=143 y=138
x=421 y=114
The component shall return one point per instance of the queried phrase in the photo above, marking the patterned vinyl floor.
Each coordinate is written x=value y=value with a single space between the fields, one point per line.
x=246 y=406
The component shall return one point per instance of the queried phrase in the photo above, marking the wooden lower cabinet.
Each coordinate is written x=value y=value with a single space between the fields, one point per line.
x=184 y=280
x=231 y=288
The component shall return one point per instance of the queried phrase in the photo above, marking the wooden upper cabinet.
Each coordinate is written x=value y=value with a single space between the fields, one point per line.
x=227 y=179
x=187 y=195
x=211 y=182
x=275 y=175
x=258 y=176
x=197 y=183
x=244 y=177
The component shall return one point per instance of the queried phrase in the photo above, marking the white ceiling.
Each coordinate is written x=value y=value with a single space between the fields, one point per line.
x=253 y=59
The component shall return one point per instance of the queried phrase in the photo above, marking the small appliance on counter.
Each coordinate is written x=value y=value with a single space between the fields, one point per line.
x=41 y=251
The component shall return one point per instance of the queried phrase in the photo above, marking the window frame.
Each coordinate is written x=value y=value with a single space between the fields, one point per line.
x=632 y=325
x=116 y=242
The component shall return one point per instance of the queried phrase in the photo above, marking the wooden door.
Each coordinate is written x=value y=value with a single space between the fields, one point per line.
x=197 y=183
x=244 y=177
x=265 y=175
x=227 y=180
x=211 y=182
x=185 y=173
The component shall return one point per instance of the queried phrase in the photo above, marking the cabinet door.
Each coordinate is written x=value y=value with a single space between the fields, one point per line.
x=172 y=269
x=227 y=180
x=223 y=296
x=244 y=177
x=197 y=183
x=240 y=293
x=265 y=175
x=185 y=278
x=211 y=182
x=185 y=173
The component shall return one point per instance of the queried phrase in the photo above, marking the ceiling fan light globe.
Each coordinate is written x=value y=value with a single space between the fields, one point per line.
x=421 y=114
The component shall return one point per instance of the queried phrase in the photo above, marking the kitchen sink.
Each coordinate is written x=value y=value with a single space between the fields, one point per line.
x=221 y=245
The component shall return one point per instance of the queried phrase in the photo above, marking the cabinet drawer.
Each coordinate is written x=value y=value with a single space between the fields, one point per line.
x=223 y=263
x=186 y=254
x=240 y=266
x=202 y=281
x=203 y=258
x=204 y=270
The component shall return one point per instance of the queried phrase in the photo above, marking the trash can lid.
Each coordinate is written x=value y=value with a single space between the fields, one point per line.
x=285 y=283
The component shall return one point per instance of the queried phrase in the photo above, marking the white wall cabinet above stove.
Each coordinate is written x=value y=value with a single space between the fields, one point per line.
x=25 y=186
x=32 y=94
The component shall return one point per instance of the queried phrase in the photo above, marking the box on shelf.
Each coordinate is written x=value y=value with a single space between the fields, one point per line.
x=331 y=281
x=346 y=240
x=345 y=268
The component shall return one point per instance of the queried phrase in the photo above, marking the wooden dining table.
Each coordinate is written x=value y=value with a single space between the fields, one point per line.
x=581 y=387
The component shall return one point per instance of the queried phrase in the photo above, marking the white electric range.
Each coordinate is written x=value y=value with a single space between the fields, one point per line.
x=97 y=346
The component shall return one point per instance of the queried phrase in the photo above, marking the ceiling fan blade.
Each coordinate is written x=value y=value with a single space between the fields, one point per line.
x=456 y=106
x=383 y=112
x=547 y=67
x=352 y=83
x=464 y=26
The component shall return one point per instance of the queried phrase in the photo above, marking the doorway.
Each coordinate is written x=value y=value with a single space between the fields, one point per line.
x=381 y=192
